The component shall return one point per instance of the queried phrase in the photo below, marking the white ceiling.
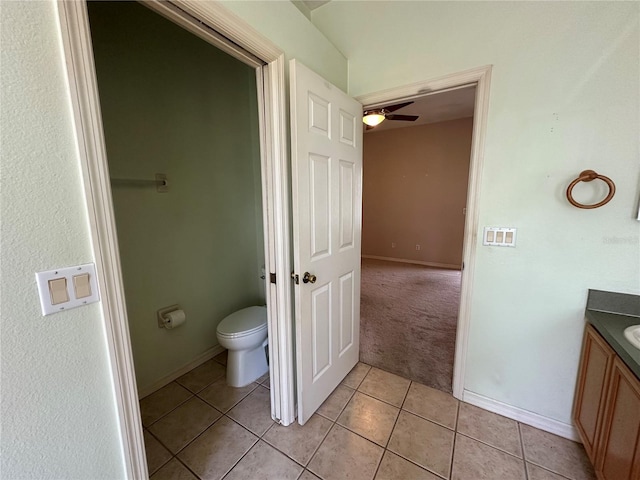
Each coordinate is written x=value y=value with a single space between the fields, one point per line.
x=434 y=107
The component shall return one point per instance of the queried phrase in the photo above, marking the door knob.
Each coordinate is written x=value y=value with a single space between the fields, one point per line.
x=308 y=278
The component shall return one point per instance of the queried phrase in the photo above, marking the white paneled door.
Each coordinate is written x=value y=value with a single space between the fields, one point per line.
x=327 y=220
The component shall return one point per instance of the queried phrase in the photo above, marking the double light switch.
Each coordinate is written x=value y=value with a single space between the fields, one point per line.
x=66 y=288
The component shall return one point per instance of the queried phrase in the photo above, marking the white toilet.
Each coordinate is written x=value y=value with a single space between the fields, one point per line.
x=244 y=335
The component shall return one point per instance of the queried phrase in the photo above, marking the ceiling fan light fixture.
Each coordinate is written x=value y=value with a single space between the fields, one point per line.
x=373 y=118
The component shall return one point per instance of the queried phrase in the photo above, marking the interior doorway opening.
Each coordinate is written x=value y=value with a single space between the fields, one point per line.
x=173 y=103
x=480 y=79
x=419 y=184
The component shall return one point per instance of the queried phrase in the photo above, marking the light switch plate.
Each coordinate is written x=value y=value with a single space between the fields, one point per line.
x=82 y=285
x=68 y=273
x=58 y=290
x=499 y=236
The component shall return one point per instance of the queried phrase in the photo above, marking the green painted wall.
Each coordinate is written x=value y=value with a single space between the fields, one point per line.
x=57 y=408
x=173 y=104
x=287 y=27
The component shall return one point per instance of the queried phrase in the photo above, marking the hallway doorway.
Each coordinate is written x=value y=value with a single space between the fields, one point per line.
x=416 y=177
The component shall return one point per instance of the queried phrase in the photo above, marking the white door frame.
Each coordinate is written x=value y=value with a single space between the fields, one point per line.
x=482 y=78
x=76 y=40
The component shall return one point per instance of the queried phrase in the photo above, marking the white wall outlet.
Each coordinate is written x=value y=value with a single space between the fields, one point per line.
x=66 y=288
x=393 y=244
x=417 y=247
x=499 y=236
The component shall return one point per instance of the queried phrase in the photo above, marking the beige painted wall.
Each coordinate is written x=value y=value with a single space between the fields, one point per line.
x=415 y=190
x=57 y=409
x=564 y=97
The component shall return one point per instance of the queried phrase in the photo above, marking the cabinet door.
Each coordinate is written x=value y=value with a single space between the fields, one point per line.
x=619 y=457
x=593 y=377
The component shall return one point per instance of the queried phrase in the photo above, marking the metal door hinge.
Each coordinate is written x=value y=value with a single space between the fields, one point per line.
x=272 y=277
x=295 y=278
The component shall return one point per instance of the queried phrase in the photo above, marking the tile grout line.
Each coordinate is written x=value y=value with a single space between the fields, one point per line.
x=168 y=412
x=193 y=395
x=187 y=467
x=543 y=467
x=193 y=439
x=379 y=399
x=365 y=375
x=232 y=406
x=247 y=428
x=532 y=462
x=261 y=437
x=489 y=445
x=239 y=460
x=333 y=425
x=428 y=470
x=318 y=448
x=321 y=442
x=342 y=409
x=335 y=422
x=384 y=450
x=175 y=455
x=524 y=456
x=455 y=437
x=400 y=410
x=222 y=414
x=547 y=469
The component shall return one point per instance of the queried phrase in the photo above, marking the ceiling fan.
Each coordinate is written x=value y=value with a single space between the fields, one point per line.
x=376 y=116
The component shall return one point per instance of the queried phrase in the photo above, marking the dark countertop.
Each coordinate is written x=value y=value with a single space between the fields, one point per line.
x=610 y=321
x=611 y=326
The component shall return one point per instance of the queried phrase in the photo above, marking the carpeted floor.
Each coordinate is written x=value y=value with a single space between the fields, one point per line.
x=408 y=320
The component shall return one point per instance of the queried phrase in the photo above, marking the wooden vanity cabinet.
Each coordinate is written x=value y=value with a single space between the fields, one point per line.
x=591 y=394
x=619 y=449
x=607 y=410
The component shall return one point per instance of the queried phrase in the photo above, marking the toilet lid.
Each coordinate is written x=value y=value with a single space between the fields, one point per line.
x=244 y=322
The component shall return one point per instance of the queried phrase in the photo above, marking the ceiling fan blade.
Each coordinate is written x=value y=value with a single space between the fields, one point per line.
x=407 y=118
x=397 y=106
x=368 y=127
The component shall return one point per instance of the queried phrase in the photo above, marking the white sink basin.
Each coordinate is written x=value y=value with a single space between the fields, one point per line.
x=632 y=334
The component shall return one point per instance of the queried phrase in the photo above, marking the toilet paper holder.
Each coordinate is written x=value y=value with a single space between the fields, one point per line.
x=163 y=311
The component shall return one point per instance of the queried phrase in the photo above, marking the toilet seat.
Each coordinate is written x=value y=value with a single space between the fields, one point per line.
x=247 y=321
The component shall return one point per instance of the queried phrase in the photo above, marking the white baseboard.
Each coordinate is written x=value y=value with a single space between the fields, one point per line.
x=415 y=262
x=524 y=416
x=200 y=359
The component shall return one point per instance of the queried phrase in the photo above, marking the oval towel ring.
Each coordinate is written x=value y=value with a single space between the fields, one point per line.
x=588 y=176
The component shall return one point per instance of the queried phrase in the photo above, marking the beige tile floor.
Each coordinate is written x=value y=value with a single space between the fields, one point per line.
x=375 y=425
